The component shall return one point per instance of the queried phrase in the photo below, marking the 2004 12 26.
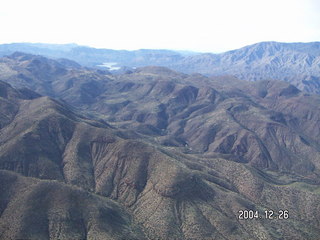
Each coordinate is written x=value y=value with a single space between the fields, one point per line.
x=269 y=214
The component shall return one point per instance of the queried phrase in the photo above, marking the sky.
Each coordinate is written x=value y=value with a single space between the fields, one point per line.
x=195 y=25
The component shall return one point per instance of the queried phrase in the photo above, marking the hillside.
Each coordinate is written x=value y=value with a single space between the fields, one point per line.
x=153 y=154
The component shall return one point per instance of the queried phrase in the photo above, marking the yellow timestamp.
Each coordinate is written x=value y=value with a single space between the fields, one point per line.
x=248 y=214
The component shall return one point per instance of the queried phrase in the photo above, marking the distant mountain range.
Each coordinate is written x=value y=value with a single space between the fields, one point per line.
x=296 y=63
x=93 y=57
x=153 y=153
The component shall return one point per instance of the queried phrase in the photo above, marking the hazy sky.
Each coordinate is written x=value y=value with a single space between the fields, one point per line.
x=199 y=25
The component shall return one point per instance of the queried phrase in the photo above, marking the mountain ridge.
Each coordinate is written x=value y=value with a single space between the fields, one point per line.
x=297 y=63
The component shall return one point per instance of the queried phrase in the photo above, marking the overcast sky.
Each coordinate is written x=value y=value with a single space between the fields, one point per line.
x=198 y=25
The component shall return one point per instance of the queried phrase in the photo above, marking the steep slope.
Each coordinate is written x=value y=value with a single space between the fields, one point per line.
x=39 y=209
x=8 y=101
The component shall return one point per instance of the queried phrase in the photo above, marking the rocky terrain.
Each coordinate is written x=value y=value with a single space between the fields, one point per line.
x=153 y=154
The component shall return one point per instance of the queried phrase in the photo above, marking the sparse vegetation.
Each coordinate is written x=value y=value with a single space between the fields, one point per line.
x=183 y=155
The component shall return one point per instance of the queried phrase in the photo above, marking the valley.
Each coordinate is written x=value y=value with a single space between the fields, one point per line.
x=153 y=153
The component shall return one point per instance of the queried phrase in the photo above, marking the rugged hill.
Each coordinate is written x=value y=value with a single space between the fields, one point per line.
x=42 y=209
x=296 y=63
x=197 y=113
x=53 y=78
x=181 y=156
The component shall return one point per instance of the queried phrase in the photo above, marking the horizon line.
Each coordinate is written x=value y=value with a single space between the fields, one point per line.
x=160 y=49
